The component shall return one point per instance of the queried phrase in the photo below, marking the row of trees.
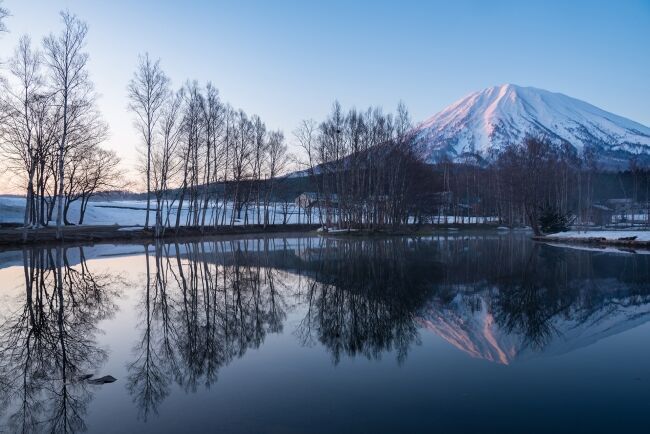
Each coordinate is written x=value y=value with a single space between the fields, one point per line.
x=203 y=160
x=368 y=171
x=364 y=166
x=51 y=130
x=526 y=181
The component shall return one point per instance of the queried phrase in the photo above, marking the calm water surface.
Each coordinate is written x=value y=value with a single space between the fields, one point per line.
x=465 y=332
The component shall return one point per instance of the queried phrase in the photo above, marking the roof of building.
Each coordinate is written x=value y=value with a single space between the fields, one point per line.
x=602 y=207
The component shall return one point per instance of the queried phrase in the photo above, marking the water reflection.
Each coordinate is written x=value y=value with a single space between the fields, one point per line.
x=47 y=343
x=201 y=305
x=523 y=300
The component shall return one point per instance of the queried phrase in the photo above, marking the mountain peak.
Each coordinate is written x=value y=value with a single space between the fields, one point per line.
x=484 y=122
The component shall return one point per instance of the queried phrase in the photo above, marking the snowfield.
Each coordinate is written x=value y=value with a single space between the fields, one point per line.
x=133 y=212
x=601 y=249
x=608 y=235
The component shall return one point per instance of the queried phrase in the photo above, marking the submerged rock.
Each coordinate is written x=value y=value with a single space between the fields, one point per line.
x=103 y=380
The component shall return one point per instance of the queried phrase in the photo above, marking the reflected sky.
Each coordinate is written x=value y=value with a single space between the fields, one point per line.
x=307 y=334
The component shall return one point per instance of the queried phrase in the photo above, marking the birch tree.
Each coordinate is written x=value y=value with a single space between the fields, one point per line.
x=17 y=130
x=148 y=90
x=67 y=62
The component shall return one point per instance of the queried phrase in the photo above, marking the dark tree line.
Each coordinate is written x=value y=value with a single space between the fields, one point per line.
x=49 y=343
x=364 y=167
x=526 y=182
x=367 y=171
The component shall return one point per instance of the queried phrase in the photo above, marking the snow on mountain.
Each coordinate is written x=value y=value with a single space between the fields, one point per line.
x=484 y=122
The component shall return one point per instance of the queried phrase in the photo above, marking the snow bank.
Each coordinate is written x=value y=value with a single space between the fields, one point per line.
x=608 y=235
x=601 y=249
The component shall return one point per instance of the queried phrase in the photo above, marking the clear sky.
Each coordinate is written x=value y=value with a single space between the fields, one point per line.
x=288 y=60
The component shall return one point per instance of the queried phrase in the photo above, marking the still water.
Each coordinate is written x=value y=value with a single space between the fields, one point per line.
x=465 y=332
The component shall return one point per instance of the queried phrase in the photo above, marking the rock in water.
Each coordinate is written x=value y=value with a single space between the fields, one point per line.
x=103 y=380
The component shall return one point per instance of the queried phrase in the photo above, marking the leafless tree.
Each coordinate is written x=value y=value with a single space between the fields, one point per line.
x=19 y=102
x=276 y=163
x=213 y=125
x=165 y=159
x=70 y=83
x=148 y=90
x=242 y=148
x=93 y=169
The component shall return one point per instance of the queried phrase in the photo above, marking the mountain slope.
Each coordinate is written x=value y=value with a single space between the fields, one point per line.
x=484 y=122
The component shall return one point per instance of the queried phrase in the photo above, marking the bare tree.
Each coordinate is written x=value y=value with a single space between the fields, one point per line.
x=94 y=169
x=148 y=90
x=276 y=162
x=165 y=161
x=258 y=156
x=242 y=148
x=306 y=135
x=70 y=83
x=45 y=120
x=18 y=130
x=213 y=123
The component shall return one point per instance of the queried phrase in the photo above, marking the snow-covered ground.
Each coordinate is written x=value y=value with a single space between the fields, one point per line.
x=609 y=235
x=601 y=249
x=133 y=212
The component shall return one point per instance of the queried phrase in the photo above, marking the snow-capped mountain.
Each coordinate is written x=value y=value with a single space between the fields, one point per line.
x=484 y=122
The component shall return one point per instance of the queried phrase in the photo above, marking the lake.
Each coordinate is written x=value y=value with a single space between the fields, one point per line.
x=452 y=332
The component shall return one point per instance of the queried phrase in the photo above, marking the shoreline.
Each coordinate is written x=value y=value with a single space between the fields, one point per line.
x=13 y=237
x=595 y=241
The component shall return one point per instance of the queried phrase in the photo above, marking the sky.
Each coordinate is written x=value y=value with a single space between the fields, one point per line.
x=289 y=60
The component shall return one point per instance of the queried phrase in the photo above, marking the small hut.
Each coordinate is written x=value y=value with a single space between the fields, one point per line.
x=601 y=215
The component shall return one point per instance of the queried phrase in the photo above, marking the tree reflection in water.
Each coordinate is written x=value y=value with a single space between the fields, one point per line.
x=48 y=343
x=203 y=304
x=365 y=296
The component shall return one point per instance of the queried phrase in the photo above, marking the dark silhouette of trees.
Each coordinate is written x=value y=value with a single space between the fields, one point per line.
x=48 y=343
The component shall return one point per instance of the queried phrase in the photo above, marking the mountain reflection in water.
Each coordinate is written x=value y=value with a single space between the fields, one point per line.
x=202 y=305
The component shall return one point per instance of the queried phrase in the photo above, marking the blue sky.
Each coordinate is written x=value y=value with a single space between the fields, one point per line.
x=288 y=60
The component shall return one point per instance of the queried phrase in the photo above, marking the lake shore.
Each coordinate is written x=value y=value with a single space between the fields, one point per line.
x=629 y=239
x=12 y=237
